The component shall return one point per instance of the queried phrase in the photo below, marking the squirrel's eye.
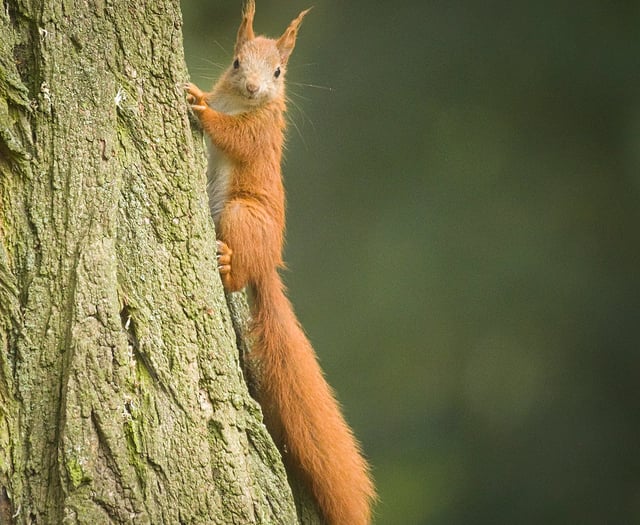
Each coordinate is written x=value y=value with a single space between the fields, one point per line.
x=236 y=64
x=277 y=72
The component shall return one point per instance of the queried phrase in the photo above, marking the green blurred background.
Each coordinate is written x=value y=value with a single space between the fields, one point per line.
x=463 y=244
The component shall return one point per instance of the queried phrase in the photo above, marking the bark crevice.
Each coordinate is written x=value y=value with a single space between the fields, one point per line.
x=121 y=396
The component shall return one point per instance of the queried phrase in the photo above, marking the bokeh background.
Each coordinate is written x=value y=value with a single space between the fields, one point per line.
x=464 y=244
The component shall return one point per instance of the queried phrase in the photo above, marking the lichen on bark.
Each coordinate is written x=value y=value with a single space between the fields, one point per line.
x=121 y=393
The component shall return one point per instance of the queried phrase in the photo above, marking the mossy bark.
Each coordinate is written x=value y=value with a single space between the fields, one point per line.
x=121 y=394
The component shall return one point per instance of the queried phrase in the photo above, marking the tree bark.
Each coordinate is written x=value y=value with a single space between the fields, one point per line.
x=121 y=394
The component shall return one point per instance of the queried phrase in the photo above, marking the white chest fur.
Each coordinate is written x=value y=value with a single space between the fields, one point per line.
x=218 y=178
x=219 y=170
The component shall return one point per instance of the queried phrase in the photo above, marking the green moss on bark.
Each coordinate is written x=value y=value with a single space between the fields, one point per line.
x=120 y=386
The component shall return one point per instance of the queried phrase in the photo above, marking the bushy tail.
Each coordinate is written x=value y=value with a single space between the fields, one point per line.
x=301 y=412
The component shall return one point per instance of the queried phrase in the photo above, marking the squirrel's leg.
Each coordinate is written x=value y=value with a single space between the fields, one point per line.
x=250 y=243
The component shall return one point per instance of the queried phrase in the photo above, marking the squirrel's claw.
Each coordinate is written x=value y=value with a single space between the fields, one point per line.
x=193 y=90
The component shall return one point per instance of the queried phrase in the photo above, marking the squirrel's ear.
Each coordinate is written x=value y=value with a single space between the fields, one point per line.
x=287 y=41
x=245 y=32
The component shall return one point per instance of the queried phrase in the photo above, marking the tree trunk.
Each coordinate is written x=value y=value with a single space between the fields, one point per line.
x=121 y=395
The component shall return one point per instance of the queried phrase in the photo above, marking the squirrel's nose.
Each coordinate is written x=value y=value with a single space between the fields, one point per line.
x=251 y=87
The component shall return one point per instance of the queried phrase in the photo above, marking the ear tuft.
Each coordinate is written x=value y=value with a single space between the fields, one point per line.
x=287 y=41
x=245 y=31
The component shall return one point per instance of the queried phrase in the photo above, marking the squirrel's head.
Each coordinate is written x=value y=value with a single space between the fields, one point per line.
x=259 y=65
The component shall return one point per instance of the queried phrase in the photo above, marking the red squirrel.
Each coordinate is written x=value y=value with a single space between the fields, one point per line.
x=243 y=119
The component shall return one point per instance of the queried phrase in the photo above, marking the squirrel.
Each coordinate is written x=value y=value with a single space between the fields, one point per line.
x=243 y=120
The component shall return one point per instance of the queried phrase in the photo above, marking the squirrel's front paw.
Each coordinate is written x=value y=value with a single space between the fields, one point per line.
x=195 y=97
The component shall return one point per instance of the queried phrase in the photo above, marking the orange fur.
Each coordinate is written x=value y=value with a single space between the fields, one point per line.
x=243 y=118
